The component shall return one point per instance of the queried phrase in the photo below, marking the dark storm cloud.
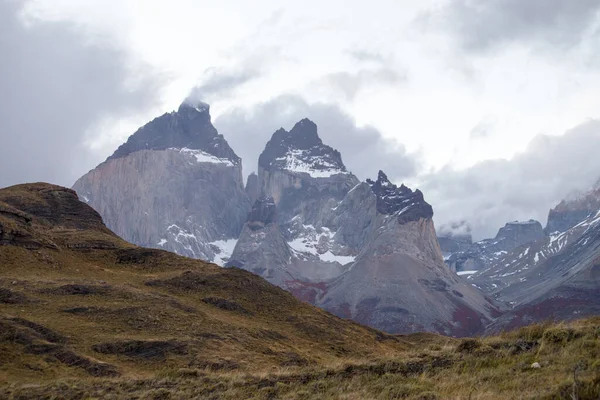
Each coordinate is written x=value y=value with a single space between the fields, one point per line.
x=56 y=84
x=494 y=192
x=364 y=150
x=483 y=25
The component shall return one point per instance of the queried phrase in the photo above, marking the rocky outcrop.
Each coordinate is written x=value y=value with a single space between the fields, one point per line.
x=573 y=210
x=399 y=282
x=176 y=185
x=487 y=252
x=252 y=188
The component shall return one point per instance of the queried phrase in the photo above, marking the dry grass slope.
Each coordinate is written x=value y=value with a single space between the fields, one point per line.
x=85 y=315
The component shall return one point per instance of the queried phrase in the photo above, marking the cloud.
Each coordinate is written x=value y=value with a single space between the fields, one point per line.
x=486 y=25
x=366 y=55
x=221 y=83
x=56 y=85
x=364 y=149
x=494 y=192
x=350 y=84
x=483 y=129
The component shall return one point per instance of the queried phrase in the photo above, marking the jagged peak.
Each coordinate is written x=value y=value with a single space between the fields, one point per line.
x=401 y=201
x=199 y=106
x=301 y=150
x=189 y=127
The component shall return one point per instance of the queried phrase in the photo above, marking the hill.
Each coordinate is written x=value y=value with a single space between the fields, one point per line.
x=84 y=314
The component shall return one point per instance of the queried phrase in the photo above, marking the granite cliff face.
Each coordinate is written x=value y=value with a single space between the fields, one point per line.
x=175 y=184
x=305 y=181
x=305 y=177
x=399 y=282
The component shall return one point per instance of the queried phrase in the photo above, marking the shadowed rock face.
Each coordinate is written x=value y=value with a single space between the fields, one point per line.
x=307 y=147
x=391 y=199
x=252 y=188
x=189 y=127
x=176 y=185
x=263 y=212
x=570 y=212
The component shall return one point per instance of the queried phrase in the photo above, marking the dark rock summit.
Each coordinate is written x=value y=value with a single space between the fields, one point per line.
x=252 y=188
x=189 y=127
x=391 y=199
x=301 y=150
x=263 y=212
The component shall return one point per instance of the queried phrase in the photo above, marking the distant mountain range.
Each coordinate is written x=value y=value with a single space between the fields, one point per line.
x=362 y=250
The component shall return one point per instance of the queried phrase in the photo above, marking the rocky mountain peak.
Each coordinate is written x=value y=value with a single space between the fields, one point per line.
x=304 y=135
x=520 y=232
x=402 y=201
x=264 y=212
x=301 y=150
x=189 y=128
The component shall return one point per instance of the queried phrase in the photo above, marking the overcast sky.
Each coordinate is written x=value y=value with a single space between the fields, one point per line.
x=489 y=107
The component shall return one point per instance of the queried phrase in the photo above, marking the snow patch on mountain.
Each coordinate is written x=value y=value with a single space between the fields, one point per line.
x=202 y=156
x=300 y=161
x=224 y=250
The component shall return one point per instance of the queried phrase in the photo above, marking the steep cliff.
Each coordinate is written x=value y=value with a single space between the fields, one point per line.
x=399 y=282
x=175 y=184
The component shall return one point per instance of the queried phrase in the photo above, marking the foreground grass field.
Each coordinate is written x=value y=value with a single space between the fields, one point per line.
x=85 y=315
x=434 y=367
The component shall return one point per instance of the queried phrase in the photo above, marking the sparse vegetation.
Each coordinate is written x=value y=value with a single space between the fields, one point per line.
x=121 y=322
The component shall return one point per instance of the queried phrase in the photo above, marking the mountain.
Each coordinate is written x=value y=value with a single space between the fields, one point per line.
x=558 y=278
x=302 y=180
x=78 y=301
x=175 y=184
x=573 y=210
x=487 y=252
x=313 y=229
x=399 y=282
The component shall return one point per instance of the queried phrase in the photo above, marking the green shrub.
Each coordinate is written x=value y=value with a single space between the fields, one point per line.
x=558 y=335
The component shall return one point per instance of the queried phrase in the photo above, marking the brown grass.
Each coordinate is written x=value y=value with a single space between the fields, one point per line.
x=85 y=315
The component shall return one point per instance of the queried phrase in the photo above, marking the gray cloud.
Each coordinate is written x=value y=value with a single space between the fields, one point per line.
x=364 y=150
x=485 y=25
x=365 y=55
x=220 y=83
x=56 y=84
x=483 y=129
x=349 y=84
x=493 y=192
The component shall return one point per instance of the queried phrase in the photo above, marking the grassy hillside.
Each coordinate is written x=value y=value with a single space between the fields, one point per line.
x=85 y=315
